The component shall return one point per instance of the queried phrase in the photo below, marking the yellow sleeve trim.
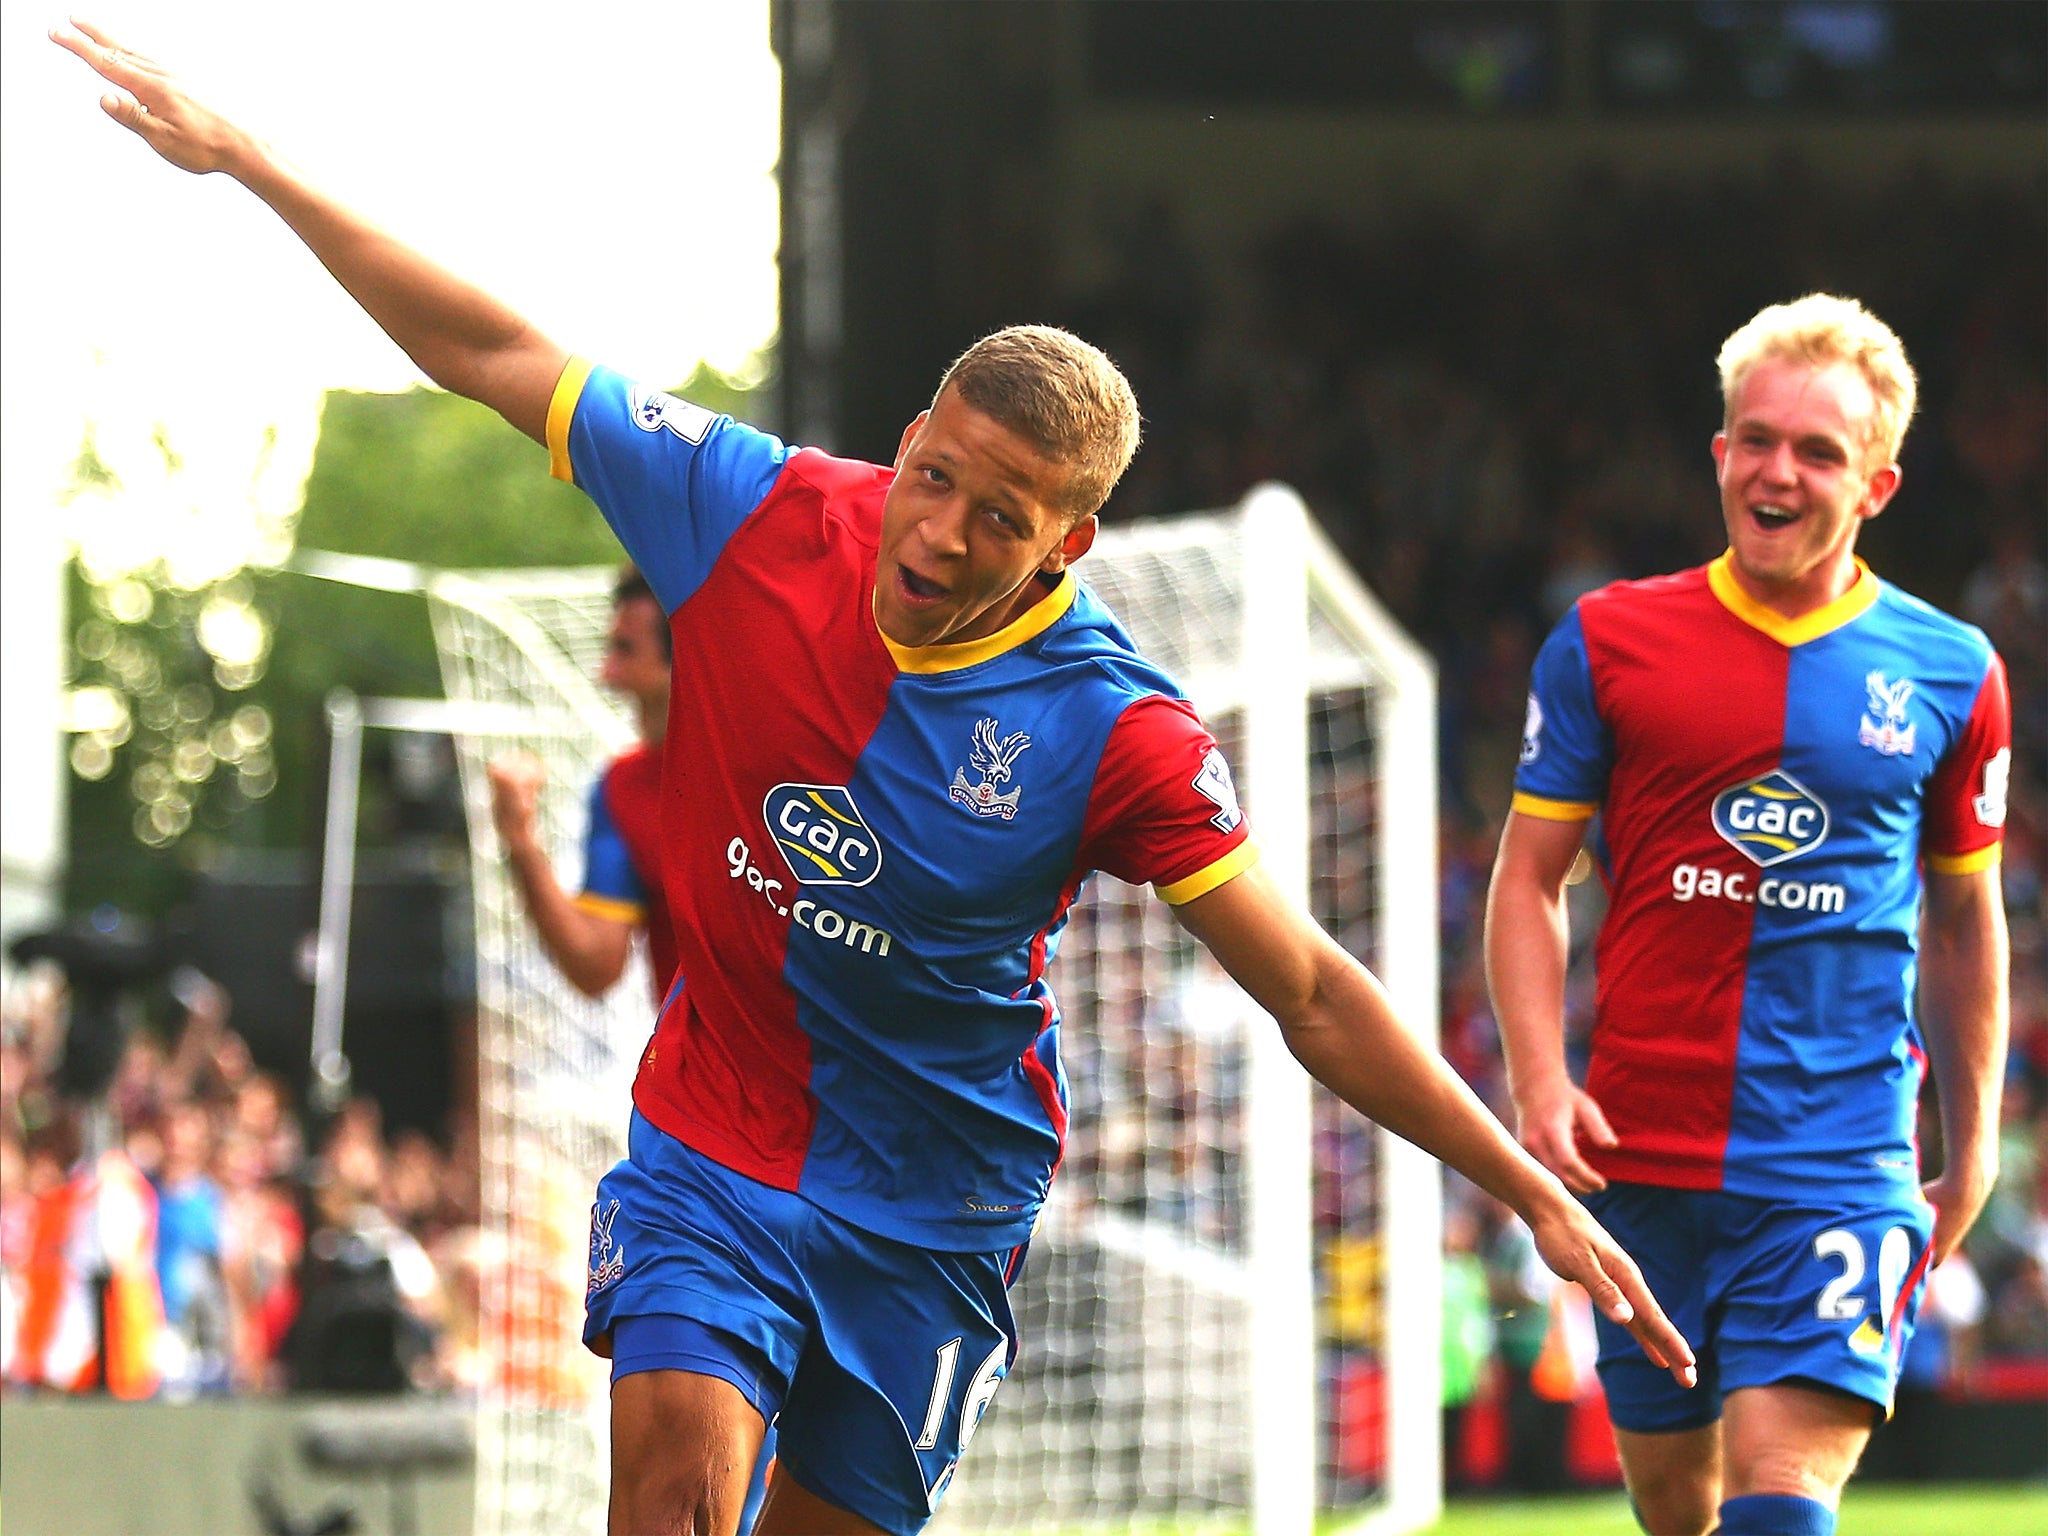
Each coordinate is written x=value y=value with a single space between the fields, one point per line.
x=1203 y=881
x=561 y=412
x=631 y=913
x=1553 y=810
x=1964 y=863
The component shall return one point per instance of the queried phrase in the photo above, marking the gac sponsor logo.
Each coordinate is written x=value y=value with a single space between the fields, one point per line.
x=1689 y=881
x=811 y=916
x=1771 y=818
x=822 y=835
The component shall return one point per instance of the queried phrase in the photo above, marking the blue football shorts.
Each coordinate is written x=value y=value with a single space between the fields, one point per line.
x=874 y=1360
x=1765 y=1291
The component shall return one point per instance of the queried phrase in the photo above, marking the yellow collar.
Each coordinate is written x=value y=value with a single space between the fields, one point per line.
x=1808 y=626
x=1034 y=621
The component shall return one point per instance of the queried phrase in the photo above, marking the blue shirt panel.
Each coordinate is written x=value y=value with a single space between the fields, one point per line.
x=927 y=1111
x=1828 y=1066
x=607 y=864
x=1567 y=749
x=672 y=479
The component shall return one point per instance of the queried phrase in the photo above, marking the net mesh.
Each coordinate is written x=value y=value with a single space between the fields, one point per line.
x=554 y=1067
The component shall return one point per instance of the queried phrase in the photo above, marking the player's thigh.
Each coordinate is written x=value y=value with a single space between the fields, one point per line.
x=1669 y=1233
x=1821 y=1295
x=1793 y=1439
x=683 y=1451
x=793 y=1510
x=911 y=1345
x=1674 y=1479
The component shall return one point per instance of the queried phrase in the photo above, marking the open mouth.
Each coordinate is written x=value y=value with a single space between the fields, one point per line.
x=917 y=588
x=1770 y=515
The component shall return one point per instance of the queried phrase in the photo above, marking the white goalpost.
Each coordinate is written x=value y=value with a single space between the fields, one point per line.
x=1230 y=1314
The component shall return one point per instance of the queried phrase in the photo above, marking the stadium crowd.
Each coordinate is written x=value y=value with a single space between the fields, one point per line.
x=258 y=1262
x=1492 y=424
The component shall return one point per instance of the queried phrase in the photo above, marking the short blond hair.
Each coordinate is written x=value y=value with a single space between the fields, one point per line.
x=1818 y=330
x=1059 y=393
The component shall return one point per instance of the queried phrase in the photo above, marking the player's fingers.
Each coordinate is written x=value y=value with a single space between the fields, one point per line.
x=124 y=109
x=1640 y=1314
x=1593 y=1121
x=1557 y=1153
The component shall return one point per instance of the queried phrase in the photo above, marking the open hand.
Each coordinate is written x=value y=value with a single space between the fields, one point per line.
x=149 y=102
x=1576 y=1247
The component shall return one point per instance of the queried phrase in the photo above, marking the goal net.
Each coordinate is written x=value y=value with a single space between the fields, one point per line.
x=1229 y=1314
x=521 y=650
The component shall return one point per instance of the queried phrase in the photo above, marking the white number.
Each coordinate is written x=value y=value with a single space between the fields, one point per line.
x=983 y=1392
x=942 y=1390
x=1836 y=1305
x=1894 y=1258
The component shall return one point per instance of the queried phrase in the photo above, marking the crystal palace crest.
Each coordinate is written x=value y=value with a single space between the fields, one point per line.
x=994 y=760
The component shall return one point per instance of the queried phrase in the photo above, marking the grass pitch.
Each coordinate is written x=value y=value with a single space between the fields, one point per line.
x=1958 y=1509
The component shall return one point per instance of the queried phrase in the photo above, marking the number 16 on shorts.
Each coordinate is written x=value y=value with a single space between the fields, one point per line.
x=980 y=1391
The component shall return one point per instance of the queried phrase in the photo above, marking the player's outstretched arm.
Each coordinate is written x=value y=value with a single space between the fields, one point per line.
x=461 y=337
x=1965 y=1018
x=588 y=949
x=1526 y=950
x=1340 y=1025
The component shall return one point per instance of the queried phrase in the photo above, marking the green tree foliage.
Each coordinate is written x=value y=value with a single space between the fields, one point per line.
x=421 y=476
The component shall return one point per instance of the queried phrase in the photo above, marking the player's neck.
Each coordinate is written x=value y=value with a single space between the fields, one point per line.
x=1794 y=597
x=653 y=714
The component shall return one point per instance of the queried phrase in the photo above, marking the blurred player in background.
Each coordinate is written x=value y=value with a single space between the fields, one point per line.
x=589 y=935
x=908 y=735
x=1800 y=776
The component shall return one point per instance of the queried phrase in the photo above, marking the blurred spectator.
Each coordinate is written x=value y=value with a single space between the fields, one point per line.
x=191 y=1212
x=1467 y=1326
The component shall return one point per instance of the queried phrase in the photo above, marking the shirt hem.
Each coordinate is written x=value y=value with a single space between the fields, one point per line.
x=1224 y=870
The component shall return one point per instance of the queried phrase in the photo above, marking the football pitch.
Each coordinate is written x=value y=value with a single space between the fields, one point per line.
x=1961 y=1509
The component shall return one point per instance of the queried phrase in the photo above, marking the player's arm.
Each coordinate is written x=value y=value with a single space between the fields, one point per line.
x=1339 y=1024
x=589 y=948
x=461 y=338
x=1965 y=1015
x=1527 y=945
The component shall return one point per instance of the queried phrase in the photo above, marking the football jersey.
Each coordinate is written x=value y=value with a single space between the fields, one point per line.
x=1768 y=790
x=870 y=850
x=622 y=857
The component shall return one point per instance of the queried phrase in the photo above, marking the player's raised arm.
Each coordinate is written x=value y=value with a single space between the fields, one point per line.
x=1340 y=1025
x=1527 y=946
x=461 y=338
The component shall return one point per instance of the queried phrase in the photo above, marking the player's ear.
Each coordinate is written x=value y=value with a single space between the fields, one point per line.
x=910 y=432
x=1883 y=486
x=1073 y=544
x=1719 y=448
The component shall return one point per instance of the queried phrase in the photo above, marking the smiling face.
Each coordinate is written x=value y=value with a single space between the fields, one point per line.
x=973 y=514
x=1800 y=471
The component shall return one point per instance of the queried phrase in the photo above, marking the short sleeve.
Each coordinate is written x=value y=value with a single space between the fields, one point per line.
x=1163 y=810
x=1567 y=750
x=673 y=479
x=611 y=886
x=1965 y=807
